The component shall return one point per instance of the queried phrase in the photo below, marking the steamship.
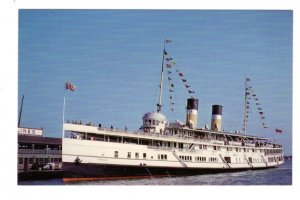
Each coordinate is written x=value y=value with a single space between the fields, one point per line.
x=162 y=149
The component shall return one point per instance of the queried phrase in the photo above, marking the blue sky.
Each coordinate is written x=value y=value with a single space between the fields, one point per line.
x=114 y=58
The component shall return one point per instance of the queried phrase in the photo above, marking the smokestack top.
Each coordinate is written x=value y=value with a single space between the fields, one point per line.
x=217 y=109
x=192 y=103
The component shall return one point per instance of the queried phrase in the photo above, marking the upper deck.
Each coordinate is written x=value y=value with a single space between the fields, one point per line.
x=173 y=134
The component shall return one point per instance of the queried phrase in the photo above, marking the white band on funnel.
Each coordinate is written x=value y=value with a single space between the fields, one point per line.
x=216 y=117
x=191 y=111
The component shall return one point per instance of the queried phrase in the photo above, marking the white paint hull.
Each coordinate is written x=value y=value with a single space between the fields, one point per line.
x=98 y=152
x=88 y=158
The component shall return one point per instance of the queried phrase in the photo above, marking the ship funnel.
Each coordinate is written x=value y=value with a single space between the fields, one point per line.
x=216 y=118
x=192 y=113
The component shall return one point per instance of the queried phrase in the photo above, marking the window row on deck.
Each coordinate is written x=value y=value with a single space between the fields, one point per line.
x=152 y=122
x=275 y=159
x=273 y=151
x=136 y=155
x=31 y=160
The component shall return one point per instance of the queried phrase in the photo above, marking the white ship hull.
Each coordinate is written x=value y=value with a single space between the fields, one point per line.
x=89 y=159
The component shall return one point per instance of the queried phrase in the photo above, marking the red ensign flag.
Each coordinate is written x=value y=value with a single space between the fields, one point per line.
x=70 y=86
x=278 y=130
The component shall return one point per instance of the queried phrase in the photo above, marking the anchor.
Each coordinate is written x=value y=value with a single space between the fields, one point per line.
x=77 y=160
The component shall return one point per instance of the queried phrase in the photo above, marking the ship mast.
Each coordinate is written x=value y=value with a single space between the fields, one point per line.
x=245 y=109
x=161 y=80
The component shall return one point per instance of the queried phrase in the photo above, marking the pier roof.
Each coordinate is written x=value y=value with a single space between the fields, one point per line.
x=39 y=140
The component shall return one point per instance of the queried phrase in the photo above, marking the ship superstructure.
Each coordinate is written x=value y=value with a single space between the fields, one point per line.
x=161 y=148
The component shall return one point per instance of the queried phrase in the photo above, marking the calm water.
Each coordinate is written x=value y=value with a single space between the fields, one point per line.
x=277 y=176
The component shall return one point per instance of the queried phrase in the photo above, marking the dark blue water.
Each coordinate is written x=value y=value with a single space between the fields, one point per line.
x=276 y=176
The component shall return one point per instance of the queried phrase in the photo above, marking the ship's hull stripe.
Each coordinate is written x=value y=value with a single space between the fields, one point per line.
x=112 y=178
x=92 y=172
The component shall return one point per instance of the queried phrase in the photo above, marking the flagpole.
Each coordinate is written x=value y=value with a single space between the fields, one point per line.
x=63 y=118
x=275 y=135
x=21 y=110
